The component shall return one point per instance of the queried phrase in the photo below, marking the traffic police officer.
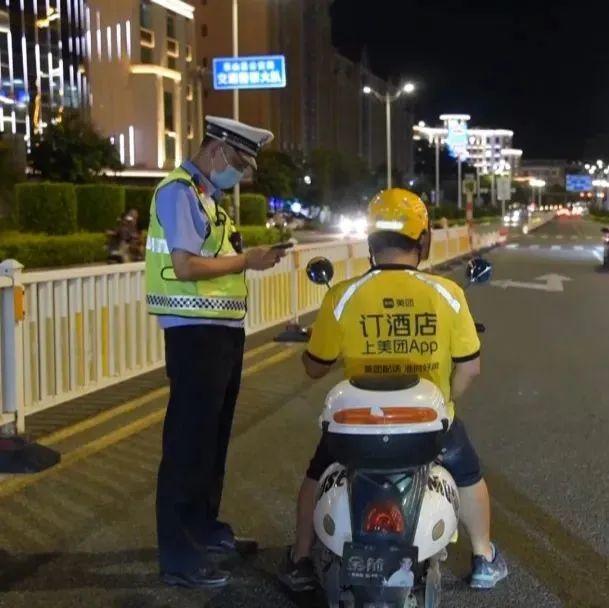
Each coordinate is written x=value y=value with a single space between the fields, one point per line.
x=195 y=283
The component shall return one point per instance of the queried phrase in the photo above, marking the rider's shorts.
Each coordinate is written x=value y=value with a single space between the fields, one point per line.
x=458 y=456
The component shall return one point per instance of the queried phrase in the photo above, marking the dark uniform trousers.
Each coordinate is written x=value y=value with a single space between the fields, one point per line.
x=204 y=369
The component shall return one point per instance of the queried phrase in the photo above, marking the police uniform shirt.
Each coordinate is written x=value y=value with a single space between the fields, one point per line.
x=186 y=226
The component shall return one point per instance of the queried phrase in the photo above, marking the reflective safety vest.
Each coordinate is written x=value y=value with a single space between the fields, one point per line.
x=223 y=297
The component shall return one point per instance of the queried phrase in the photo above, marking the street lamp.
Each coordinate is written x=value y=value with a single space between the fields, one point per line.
x=537 y=183
x=408 y=89
x=237 y=190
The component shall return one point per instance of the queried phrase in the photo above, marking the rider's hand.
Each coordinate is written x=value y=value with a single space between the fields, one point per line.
x=262 y=258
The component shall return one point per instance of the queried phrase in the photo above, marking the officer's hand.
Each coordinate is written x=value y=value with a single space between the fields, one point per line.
x=262 y=258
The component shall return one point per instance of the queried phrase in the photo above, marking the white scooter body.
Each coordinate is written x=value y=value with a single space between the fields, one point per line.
x=439 y=506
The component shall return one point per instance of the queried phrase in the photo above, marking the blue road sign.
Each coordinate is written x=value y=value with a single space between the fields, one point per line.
x=263 y=72
x=579 y=183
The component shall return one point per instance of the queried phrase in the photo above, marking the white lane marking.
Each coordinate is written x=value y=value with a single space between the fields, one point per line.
x=513 y=246
x=553 y=282
x=574 y=237
x=559 y=236
x=544 y=236
x=578 y=247
x=534 y=246
x=556 y=247
x=598 y=256
x=588 y=238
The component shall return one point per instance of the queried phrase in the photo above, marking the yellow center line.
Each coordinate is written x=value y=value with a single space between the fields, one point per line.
x=15 y=484
x=128 y=406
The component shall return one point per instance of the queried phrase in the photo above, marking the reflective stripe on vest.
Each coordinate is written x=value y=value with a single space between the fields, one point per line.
x=349 y=293
x=158 y=245
x=190 y=303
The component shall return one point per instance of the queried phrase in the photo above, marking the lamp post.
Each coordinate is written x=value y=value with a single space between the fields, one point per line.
x=388 y=99
x=237 y=189
x=539 y=184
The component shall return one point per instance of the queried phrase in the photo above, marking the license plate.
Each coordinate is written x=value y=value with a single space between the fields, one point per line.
x=378 y=565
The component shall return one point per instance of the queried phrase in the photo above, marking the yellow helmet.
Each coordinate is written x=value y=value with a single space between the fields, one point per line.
x=398 y=210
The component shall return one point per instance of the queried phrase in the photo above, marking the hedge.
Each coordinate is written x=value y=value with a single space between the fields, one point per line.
x=252 y=208
x=99 y=206
x=259 y=235
x=46 y=207
x=139 y=198
x=41 y=251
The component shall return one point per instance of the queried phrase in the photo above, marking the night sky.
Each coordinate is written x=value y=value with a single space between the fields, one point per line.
x=541 y=70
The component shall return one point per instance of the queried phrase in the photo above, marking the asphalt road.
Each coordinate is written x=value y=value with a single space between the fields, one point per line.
x=83 y=535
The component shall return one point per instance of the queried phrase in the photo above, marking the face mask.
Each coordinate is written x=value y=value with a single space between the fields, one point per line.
x=227 y=178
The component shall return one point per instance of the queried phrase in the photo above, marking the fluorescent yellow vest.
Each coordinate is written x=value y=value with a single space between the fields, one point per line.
x=220 y=298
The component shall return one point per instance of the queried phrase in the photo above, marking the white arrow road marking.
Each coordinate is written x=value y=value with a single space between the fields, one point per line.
x=553 y=282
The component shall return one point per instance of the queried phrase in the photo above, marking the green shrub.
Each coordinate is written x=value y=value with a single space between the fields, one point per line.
x=99 y=206
x=139 y=198
x=259 y=235
x=41 y=251
x=253 y=208
x=46 y=207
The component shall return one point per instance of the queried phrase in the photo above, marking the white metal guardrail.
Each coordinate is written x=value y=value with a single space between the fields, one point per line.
x=87 y=328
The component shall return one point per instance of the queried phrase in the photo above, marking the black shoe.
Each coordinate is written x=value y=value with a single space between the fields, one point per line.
x=298 y=576
x=203 y=578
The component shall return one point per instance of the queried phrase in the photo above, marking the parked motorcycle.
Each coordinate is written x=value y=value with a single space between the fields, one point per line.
x=605 y=232
x=386 y=509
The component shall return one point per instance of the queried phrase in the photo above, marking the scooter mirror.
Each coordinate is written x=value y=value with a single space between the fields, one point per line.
x=320 y=271
x=478 y=271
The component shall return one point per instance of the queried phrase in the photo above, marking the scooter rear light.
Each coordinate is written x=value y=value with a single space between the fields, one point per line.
x=385 y=415
x=384 y=518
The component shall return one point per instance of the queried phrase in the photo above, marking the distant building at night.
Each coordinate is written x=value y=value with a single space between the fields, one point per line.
x=486 y=149
x=322 y=105
x=552 y=171
x=43 y=52
x=145 y=88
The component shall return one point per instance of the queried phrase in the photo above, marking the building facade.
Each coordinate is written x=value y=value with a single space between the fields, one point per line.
x=489 y=150
x=322 y=105
x=43 y=53
x=145 y=86
x=552 y=171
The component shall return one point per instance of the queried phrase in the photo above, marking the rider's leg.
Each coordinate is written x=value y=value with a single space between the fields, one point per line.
x=475 y=514
x=460 y=459
x=304 y=523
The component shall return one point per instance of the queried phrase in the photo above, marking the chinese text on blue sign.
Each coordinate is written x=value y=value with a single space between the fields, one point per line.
x=579 y=183
x=265 y=72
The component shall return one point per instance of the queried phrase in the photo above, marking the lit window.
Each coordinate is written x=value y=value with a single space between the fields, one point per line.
x=189 y=93
x=188 y=53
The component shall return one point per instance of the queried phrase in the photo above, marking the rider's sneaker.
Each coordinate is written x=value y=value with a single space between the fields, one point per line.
x=297 y=576
x=485 y=574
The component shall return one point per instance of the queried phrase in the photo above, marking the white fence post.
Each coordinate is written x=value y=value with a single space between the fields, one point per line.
x=12 y=315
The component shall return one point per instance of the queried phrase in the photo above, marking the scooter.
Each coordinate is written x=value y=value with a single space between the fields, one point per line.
x=386 y=509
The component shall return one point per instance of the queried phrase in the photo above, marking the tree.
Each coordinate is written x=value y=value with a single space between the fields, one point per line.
x=72 y=151
x=11 y=171
x=339 y=181
x=277 y=174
